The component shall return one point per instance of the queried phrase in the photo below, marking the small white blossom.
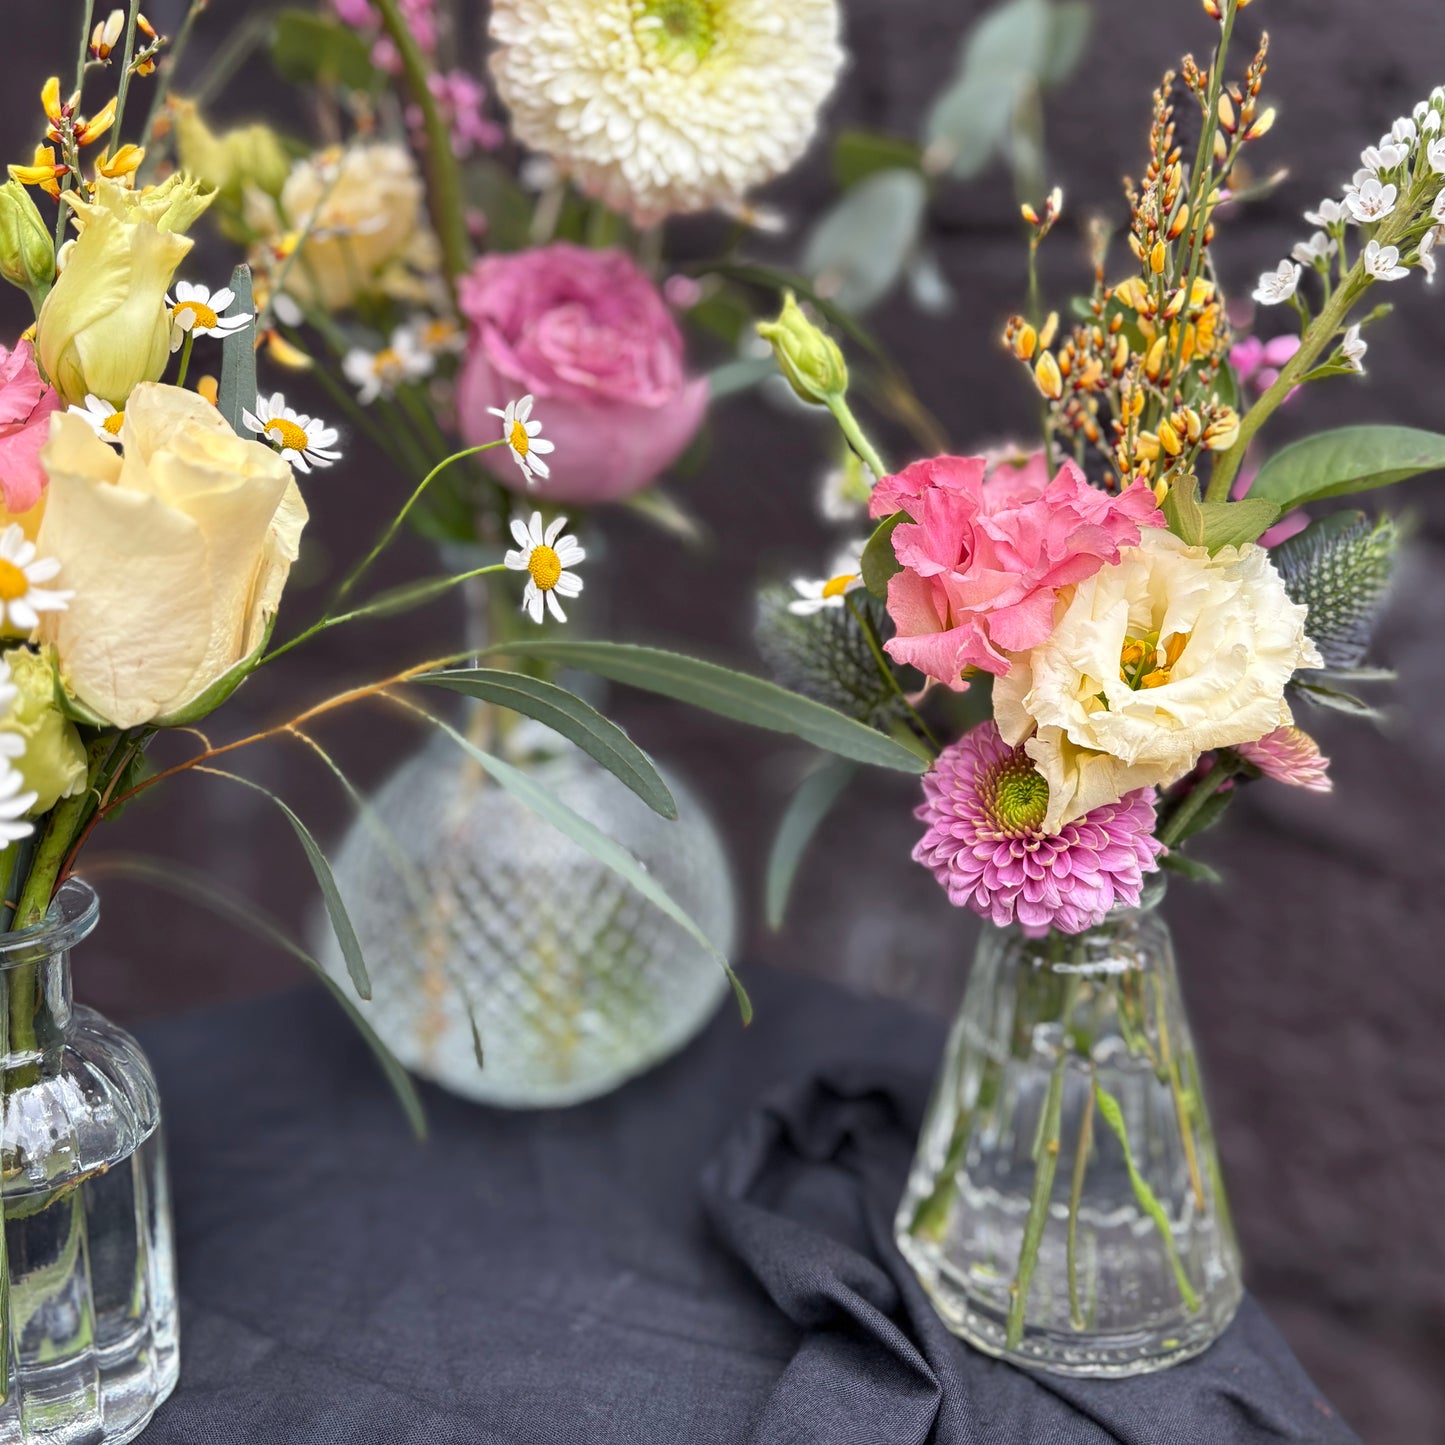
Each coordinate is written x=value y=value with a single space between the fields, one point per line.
x=1431 y=123
x=1435 y=154
x=545 y=557
x=379 y=373
x=819 y=595
x=196 y=311
x=1330 y=213
x=22 y=597
x=524 y=439
x=1383 y=157
x=1353 y=348
x=1426 y=257
x=1278 y=285
x=1318 y=248
x=1404 y=131
x=1383 y=262
x=305 y=441
x=1437 y=211
x=1373 y=201
x=104 y=419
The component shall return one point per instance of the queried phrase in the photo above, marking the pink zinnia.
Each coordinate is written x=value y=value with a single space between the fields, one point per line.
x=984 y=804
x=1289 y=756
x=984 y=556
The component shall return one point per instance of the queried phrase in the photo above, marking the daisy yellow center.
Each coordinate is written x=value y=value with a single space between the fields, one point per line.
x=203 y=314
x=386 y=363
x=677 y=27
x=1020 y=796
x=13 y=582
x=286 y=434
x=545 y=566
x=1145 y=662
x=114 y=422
x=521 y=443
x=839 y=585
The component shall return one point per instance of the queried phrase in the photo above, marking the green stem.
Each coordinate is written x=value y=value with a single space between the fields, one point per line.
x=190 y=341
x=838 y=405
x=1076 y=1194
x=875 y=645
x=448 y=214
x=1044 y=1172
x=127 y=57
x=167 y=71
x=1214 y=778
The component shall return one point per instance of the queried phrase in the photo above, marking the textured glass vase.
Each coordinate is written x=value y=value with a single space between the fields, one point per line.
x=469 y=907
x=90 y=1266
x=1065 y=1209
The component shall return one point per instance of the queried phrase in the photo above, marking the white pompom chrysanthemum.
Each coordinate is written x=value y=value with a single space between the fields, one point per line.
x=658 y=107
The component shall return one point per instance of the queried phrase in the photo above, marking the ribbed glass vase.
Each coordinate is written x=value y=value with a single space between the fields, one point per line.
x=89 y=1265
x=1065 y=1210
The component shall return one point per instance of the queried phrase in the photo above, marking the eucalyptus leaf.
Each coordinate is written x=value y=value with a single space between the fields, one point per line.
x=858 y=251
x=809 y=806
x=929 y=288
x=1072 y=21
x=1338 y=701
x=567 y=715
x=720 y=690
x=1350 y=459
x=858 y=154
x=970 y=121
x=237 y=389
x=665 y=512
x=880 y=565
x=1015 y=39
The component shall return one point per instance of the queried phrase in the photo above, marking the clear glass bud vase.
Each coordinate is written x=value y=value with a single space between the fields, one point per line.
x=89 y=1264
x=1065 y=1209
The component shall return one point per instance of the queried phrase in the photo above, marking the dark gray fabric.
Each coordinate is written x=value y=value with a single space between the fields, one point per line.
x=702 y=1257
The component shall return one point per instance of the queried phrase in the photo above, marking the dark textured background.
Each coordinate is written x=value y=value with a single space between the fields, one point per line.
x=1314 y=979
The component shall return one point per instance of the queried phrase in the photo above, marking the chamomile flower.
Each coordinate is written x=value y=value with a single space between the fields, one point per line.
x=105 y=420
x=1383 y=262
x=198 y=312
x=818 y=596
x=379 y=373
x=15 y=802
x=524 y=439
x=305 y=441
x=22 y=596
x=545 y=556
x=1278 y=285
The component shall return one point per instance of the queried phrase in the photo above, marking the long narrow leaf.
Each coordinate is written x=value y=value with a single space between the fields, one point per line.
x=813 y=801
x=237 y=388
x=326 y=881
x=567 y=714
x=591 y=838
x=735 y=695
x=173 y=877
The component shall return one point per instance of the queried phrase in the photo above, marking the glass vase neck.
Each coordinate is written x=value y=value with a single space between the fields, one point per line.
x=35 y=989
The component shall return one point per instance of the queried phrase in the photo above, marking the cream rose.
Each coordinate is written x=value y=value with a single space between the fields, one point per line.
x=177 y=552
x=369 y=232
x=1153 y=661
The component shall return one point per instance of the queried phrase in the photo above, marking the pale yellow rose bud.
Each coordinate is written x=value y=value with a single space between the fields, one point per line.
x=177 y=554
x=27 y=250
x=53 y=764
x=808 y=357
x=251 y=155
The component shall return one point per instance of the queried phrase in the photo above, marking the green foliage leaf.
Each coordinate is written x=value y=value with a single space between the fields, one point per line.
x=1350 y=459
x=237 y=389
x=668 y=514
x=970 y=122
x=173 y=877
x=1190 y=868
x=880 y=565
x=591 y=838
x=1335 y=700
x=309 y=49
x=858 y=154
x=729 y=694
x=859 y=249
x=1068 y=39
x=1216 y=524
x=573 y=719
x=810 y=805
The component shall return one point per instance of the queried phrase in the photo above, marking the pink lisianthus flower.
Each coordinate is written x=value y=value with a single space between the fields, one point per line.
x=984 y=804
x=984 y=556
x=1258 y=363
x=1289 y=755
x=587 y=334
x=26 y=404
x=461 y=99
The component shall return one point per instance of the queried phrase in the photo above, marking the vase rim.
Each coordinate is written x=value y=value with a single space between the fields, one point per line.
x=71 y=918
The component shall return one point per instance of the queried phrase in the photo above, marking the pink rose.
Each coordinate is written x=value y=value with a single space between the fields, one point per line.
x=587 y=334
x=984 y=556
x=25 y=407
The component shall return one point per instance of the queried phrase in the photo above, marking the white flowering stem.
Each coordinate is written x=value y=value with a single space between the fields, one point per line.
x=843 y=415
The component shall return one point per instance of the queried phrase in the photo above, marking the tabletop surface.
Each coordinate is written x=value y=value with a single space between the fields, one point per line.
x=702 y=1256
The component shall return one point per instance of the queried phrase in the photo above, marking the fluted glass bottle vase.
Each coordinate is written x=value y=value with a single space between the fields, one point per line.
x=1065 y=1209
x=472 y=910
x=89 y=1265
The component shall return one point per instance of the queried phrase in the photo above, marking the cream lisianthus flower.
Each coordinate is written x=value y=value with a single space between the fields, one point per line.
x=658 y=107
x=177 y=551
x=1153 y=661
x=362 y=214
x=105 y=326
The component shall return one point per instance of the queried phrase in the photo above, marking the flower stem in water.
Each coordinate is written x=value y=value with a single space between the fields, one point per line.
x=1081 y=1164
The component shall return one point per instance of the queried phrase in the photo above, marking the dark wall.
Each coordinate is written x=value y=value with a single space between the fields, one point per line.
x=1314 y=977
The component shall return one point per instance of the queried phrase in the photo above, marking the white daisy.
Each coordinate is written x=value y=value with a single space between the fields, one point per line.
x=15 y=802
x=105 y=420
x=197 y=312
x=816 y=596
x=1371 y=201
x=1353 y=348
x=379 y=373
x=22 y=598
x=1278 y=285
x=524 y=439
x=1319 y=247
x=305 y=441
x=1383 y=262
x=545 y=556
x=657 y=107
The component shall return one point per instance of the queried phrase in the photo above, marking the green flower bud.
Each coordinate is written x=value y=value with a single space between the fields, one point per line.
x=53 y=765
x=27 y=252
x=807 y=356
